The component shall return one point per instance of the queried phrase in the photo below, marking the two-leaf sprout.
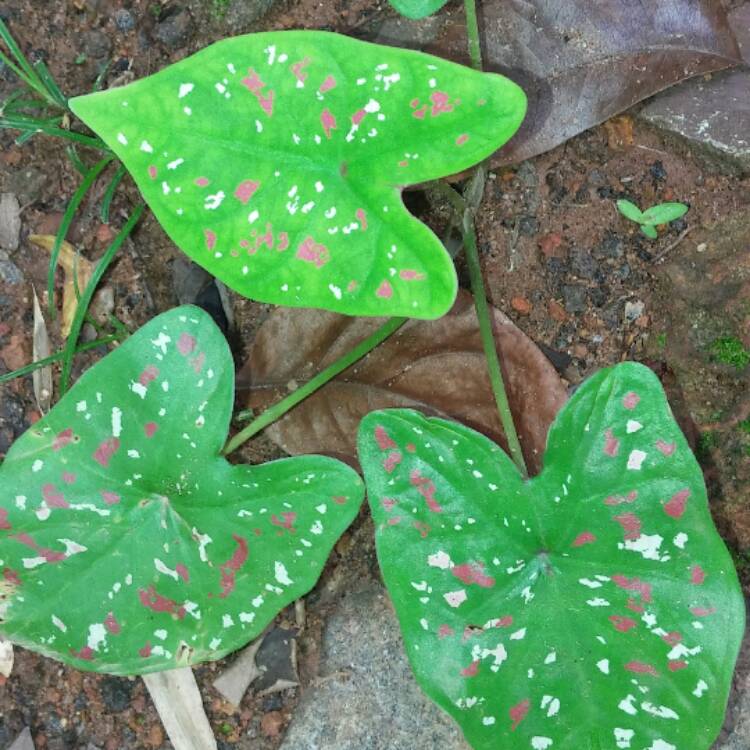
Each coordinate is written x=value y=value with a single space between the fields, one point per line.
x=662 y=213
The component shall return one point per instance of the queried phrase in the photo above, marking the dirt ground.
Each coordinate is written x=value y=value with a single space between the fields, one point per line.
x=575 y=276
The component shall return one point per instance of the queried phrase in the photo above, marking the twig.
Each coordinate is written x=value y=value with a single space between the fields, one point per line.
x=672 y=245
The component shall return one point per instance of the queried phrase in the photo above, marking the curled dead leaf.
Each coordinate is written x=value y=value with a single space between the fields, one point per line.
x=77 y=270
x=437 y=367
x=41 y=378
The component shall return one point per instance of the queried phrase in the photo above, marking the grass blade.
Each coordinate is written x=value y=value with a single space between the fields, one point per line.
x=88 y=293
x=41 y=126
x=67 y=219
x=111 y=188
x=50 y=84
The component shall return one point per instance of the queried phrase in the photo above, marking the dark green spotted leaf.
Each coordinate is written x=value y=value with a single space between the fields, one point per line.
x=593 y=606
x=417 y=8
x=277 y=162
x=127 y=543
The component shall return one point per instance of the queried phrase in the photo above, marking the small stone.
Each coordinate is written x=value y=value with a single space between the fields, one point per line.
x=610 y=247
x=9 y=271
x=582 y=264
x=551 y=245
x=175 y=30
x=575 y=298
x=116 y=693
x=556 y=311
x=10 y=221
x=155 y=736
x=124 y=20
x=96 y=44
x=272 y=723
x=657 y=171
x=521 y=305
x=598 y=296
x=528 y=226
x=634 y=310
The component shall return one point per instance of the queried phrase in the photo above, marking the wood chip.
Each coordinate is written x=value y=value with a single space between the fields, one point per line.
x=41 y=378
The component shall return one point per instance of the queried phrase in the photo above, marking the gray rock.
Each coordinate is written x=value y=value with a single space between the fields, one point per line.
x=712 y=116
x=10 y=273
x=582 y=264
x=243 y=13
x=367 y=698
x=96 y=44
x=175 y=30
x=10 y=221
x=634 y=310
x=23 y=741
x=739 y=20
x=574 y=298
x=124 y=20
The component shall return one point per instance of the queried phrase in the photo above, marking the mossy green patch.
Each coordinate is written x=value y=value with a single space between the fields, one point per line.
x=730 y=351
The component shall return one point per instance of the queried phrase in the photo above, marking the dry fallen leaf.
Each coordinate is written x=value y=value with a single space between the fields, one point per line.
x=41 y=378
x=437 y=367
x=582 y=62
x=76 y=268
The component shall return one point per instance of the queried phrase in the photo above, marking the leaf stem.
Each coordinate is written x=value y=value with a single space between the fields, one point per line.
x=88 y=293
x=282 y=407
x=472 y=31
x=473 y=198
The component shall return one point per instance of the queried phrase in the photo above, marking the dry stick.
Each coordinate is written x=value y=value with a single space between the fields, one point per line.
x=476 y=189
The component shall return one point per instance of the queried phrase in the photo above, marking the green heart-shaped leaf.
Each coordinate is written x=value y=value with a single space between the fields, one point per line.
x=127 y=543
x=417 y=8
x=277 y=160
x=593 y=606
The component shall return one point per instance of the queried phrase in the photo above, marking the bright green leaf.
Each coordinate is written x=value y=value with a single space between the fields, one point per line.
x=664 y=213
x=594 y=606
x=630 y=211
x=649 y=231
x=128 y=544
x=277 y=161
x=417 y=8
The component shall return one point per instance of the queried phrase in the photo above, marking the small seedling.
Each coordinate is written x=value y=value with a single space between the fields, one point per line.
x=662 y=213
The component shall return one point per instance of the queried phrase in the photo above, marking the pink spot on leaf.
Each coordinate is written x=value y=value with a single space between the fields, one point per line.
x=145 y=651
x=328 y=121
x=255 y=86
x=676 y=664
x=86 y=653
x=148 y=375
x=697 y=575
x=518 y=713
x=197 y=363
x=230 y=567
x=4 y=524
x=633 y=584
x=361 y=218
x=469 y=573
x=384 y=291
x=622 y=624
x=68 y=478
x=703 y=611
x=53 y=497
x=286 y=521
x=313 y=252
x=388 y=504
x=327 y=85
x=383 y=440
x=245 y=190
x=392 y=460
x=639 y=667
x=150 y=429
x=631 y=525
x=409 y=275
x=298 y=69
x=675 y=507
x=152 y=172
x=611 y=443
x=420 y=113
x=472 y=670
x=182 y=571
x=619 y=500
x=426 y=488
x=422 y=528
x=186 y=344
x=444 y=631
x=63 y=438
x=105 y=451
x=358 y=116
x=462 y=139
x=585 y=537
x=111 y=498
x=111 y=624
x=202 y=181
x=631 y=400
x=154 y=601
x=666 y=449
x=440 y=103
x=672 y=638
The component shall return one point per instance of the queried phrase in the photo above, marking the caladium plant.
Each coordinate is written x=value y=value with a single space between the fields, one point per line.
x=128 y=544
x=593 y=606
x=277 y=161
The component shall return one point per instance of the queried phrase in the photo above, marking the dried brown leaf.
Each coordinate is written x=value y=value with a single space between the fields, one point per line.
x=582 y=62
x=435 y=366
x=41 y=378
x=77 y=270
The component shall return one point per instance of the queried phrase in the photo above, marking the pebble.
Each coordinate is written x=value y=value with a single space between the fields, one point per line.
x=634 y=310
x=10 y=273
x=272 y=723
x=124 y=20
x=116 y=693
x=610 y=247
x=575 y=297
x=582 y=264
x=96 y=44
x=556 y=311
x=175 y=30
x=521 y=305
